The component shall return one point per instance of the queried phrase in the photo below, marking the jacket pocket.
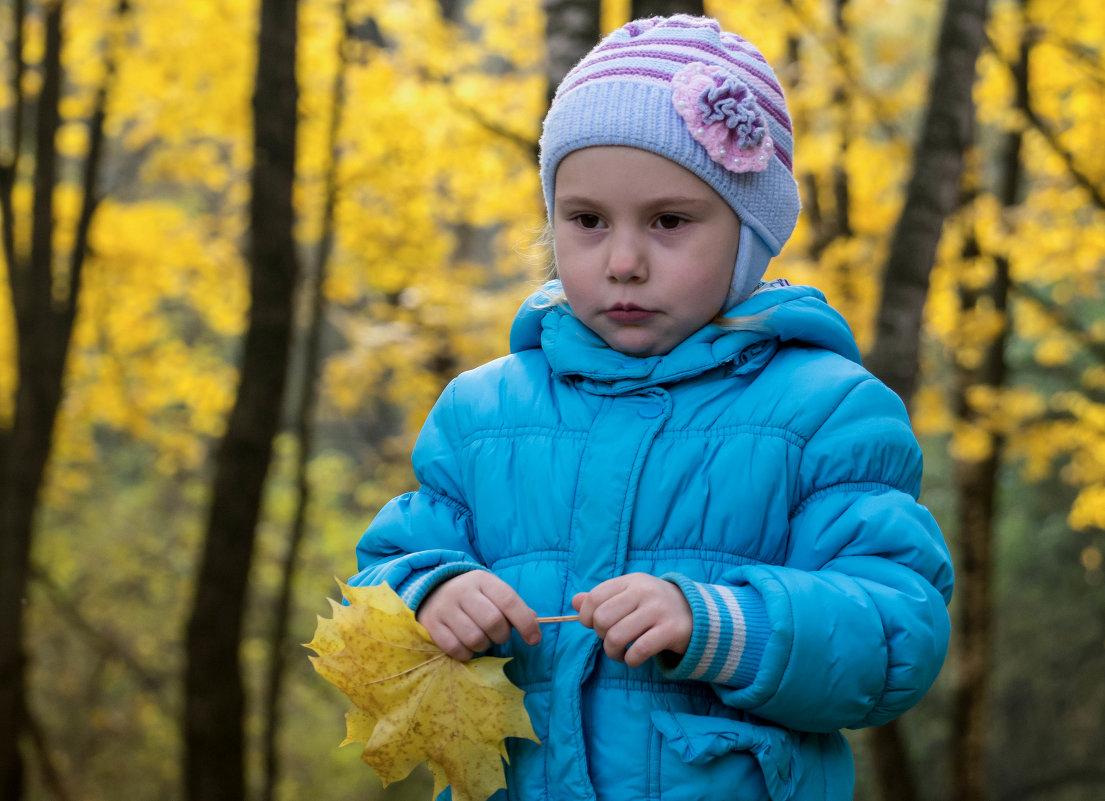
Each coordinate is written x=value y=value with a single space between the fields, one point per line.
x=720 y=758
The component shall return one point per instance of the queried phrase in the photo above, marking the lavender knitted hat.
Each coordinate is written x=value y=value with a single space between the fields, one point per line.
x=706 y=99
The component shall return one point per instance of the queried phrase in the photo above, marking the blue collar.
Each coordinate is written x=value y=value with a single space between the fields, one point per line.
x=782 y=313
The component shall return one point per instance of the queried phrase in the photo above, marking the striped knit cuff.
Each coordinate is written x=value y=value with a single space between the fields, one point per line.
x=730 y=631
x=414 y=589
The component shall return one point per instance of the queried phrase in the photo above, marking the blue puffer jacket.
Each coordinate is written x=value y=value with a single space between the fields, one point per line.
x=767 y=473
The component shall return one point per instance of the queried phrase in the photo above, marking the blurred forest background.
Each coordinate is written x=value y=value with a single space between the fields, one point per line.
x=247 y=242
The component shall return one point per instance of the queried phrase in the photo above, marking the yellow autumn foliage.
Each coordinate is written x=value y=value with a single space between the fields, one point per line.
x=1051 y=238
x=436 y=200
x=436 y=205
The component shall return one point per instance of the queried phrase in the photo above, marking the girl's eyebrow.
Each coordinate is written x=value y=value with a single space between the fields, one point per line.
x=676 y=201
x=574 y=200
x=666 y=201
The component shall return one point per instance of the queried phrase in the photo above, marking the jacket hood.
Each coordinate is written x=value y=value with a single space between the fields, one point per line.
x=783 y=314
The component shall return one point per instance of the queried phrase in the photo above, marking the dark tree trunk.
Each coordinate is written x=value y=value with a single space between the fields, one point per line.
x=279 y=646
x=7 y=168
x=665 y=8
x=894 y=779
x=932 y=195
x=214 y=695
x=977 y=496
x=43 y=326
x=572 y=28
x=976 y=501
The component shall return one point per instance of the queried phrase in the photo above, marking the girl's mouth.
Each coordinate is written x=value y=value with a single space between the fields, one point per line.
x=627 y=313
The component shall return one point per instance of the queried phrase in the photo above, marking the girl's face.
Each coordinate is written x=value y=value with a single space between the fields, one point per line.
x=645 y=249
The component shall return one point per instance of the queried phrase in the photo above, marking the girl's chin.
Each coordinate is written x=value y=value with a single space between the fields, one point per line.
x=636 y=344
x=632 y=340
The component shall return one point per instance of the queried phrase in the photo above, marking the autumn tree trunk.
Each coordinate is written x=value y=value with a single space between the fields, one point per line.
x=932 y=194
x=572 y=28
x=832 y=224
x=213 y=687
x=44 y=312
x=976 y=501
x=306 y=396
x=977 y=482
x=42 y=331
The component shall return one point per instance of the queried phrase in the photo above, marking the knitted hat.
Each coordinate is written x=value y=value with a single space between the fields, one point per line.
x=706 y=99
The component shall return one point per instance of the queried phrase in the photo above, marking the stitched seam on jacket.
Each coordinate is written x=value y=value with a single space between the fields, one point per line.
x=449 y=501
x=529 y=556
x=514 y=431
x=682 y=688
x=539 y=686
x=843 y=486
x=728 y=431
x=719 y=557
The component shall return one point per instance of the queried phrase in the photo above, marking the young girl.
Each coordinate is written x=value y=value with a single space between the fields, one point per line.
x=692 y=460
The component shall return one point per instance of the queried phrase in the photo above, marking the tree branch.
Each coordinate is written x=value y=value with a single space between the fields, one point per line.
x=51 y=776
x=1052 y=138
x=107 y=644
x=1069 y=323
x=1045 y=129
x=91 y=173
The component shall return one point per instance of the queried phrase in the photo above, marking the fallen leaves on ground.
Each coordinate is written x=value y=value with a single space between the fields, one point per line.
x=414 y=703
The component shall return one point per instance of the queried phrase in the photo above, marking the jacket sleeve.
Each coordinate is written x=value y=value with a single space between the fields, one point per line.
x=853 y=628
x=422 y=538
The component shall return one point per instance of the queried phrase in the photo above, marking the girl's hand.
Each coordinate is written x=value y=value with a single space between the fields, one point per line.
x=638 y=612
x=465 y=614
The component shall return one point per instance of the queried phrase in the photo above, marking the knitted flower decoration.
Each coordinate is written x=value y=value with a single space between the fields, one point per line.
x=639 y=26
x=723 y=116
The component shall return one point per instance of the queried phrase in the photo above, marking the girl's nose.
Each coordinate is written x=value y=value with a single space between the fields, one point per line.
x=626 y=260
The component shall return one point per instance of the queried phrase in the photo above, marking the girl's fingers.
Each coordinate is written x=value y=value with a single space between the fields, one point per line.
x=514 y=612
x=465 y=614
x=623 y=634
x=614 y=612
x=636 y=616
x=469 y=633
x=447 y=641
x=487 y=616
x=643 y=648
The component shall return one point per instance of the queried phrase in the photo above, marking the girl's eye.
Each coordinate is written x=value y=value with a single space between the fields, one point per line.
x=669 y=222
x=588 y=221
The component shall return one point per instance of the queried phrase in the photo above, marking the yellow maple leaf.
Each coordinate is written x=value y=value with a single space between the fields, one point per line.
x=414 y=703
